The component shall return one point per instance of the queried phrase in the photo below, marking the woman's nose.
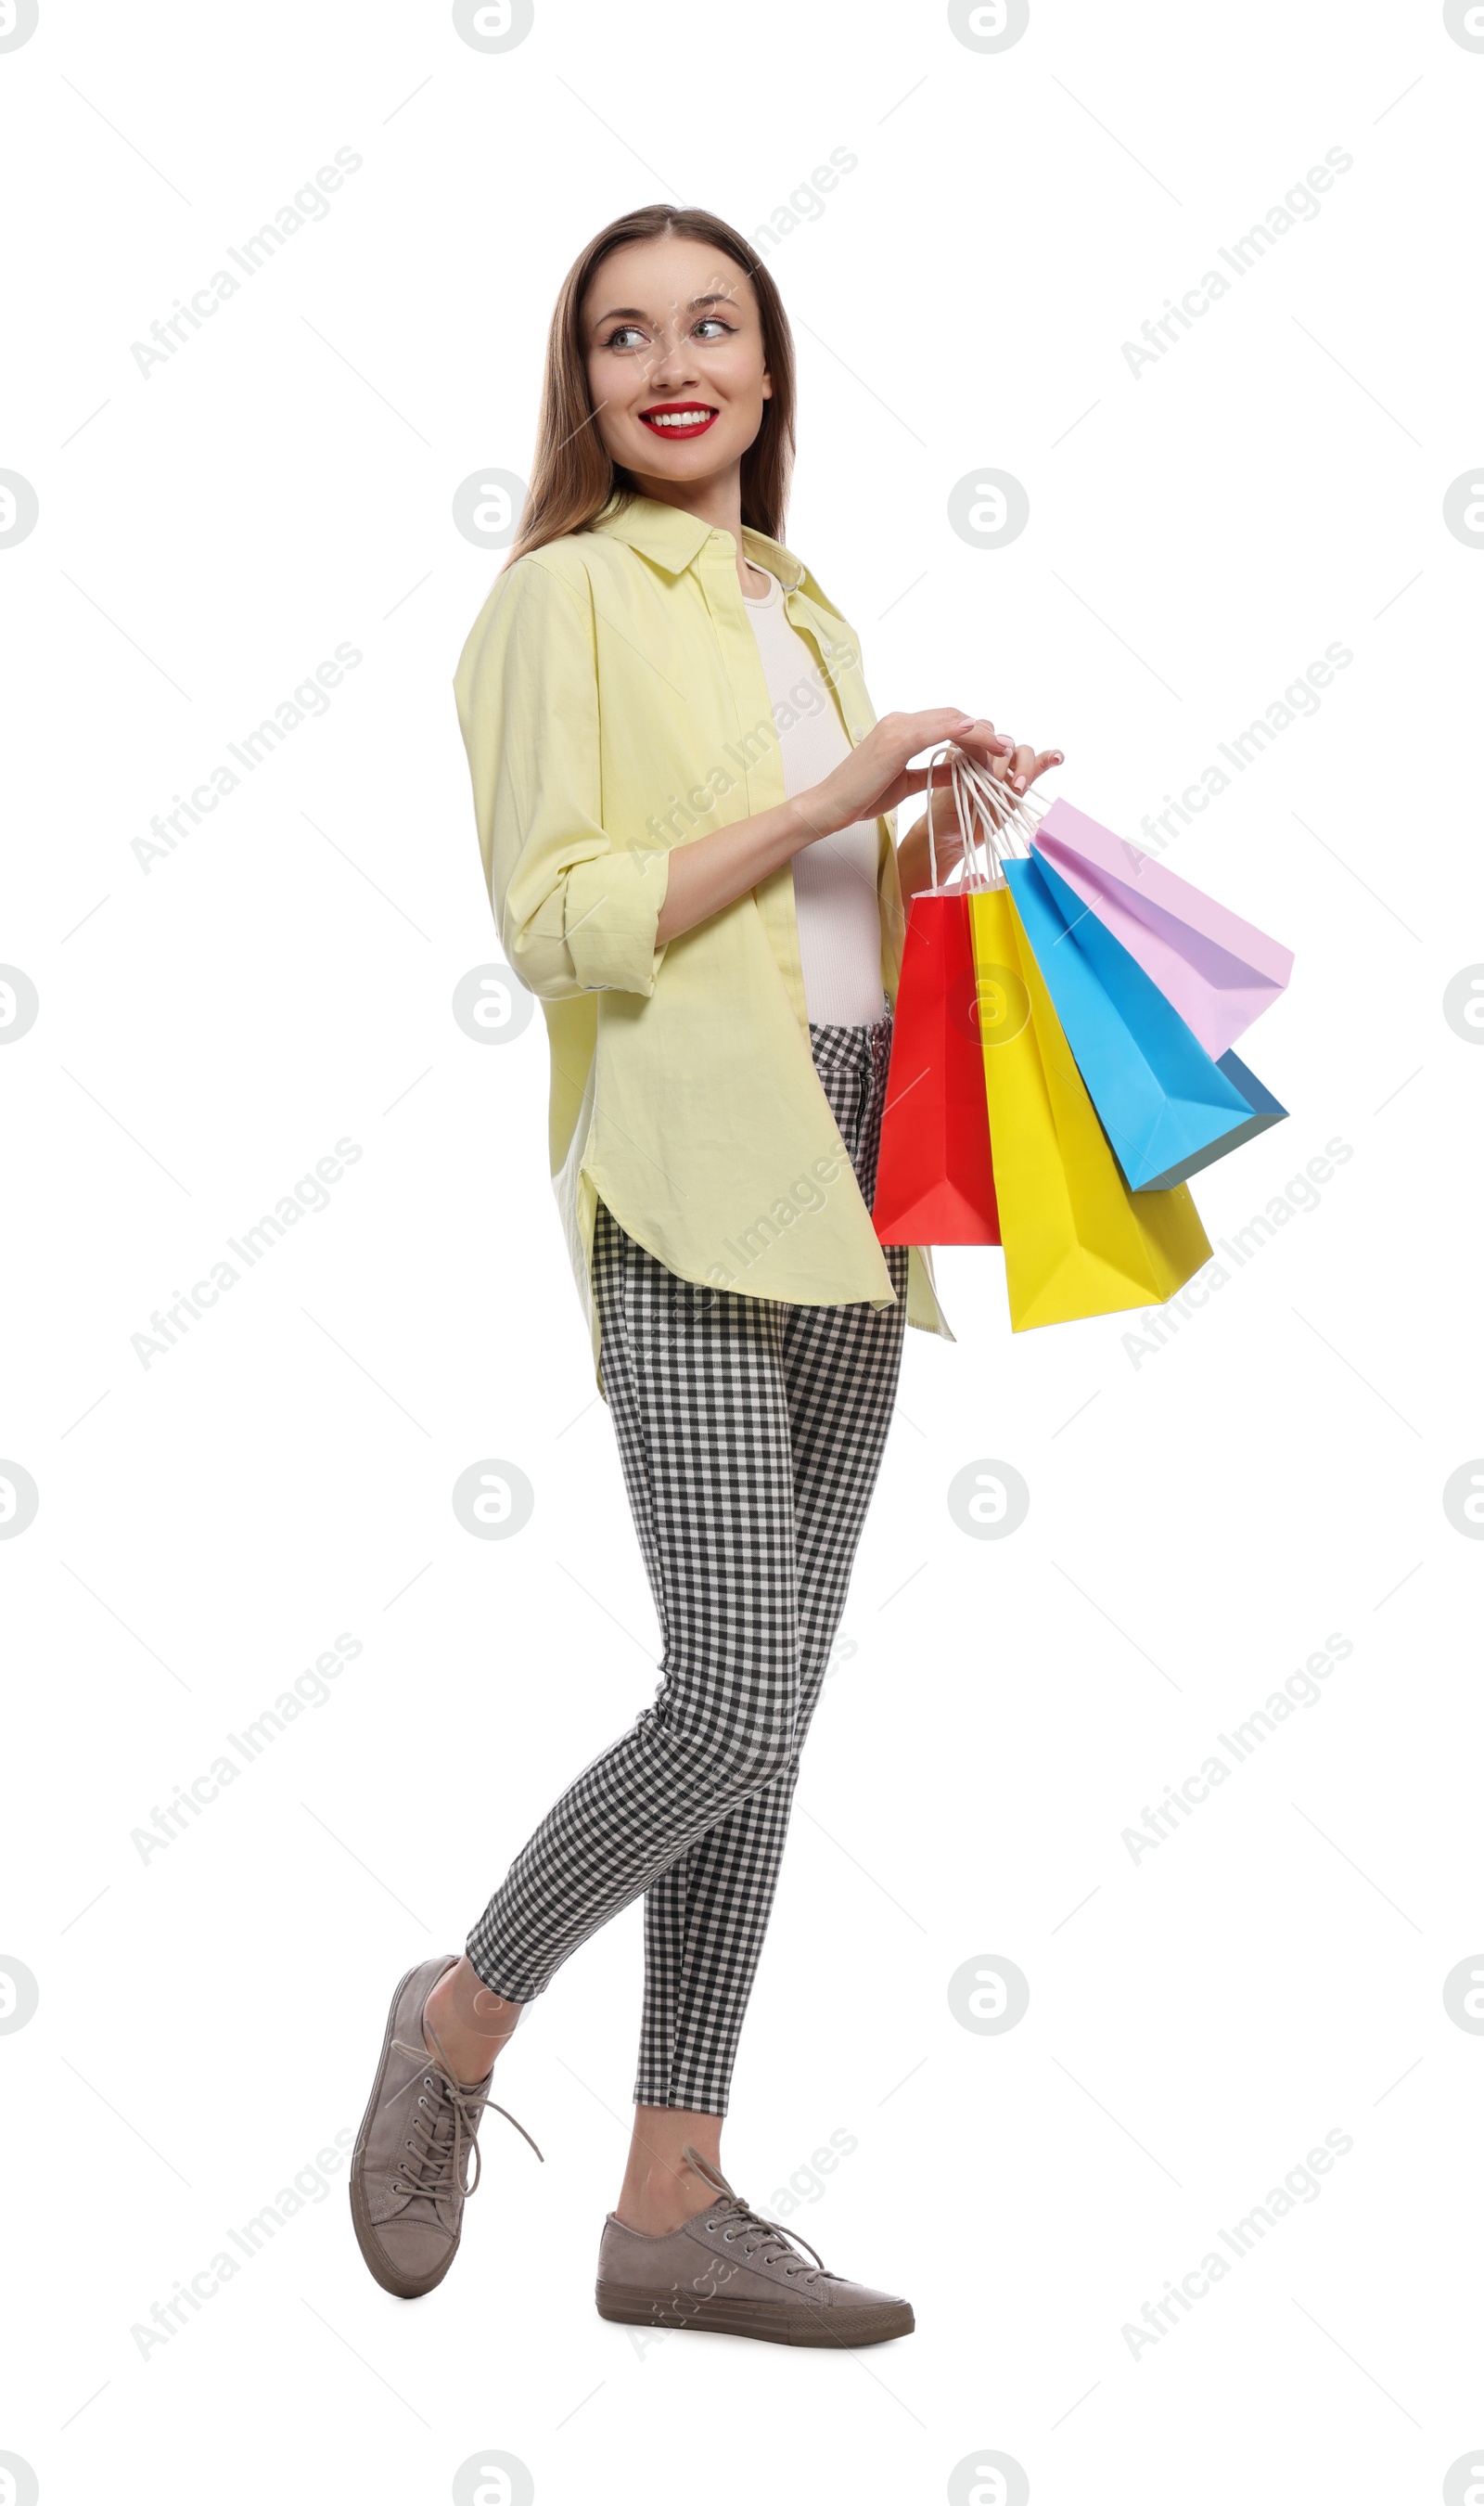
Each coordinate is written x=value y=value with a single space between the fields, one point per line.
x=667 y=360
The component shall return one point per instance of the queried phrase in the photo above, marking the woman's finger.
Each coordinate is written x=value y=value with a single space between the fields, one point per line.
x=1048 y=758
x=983 y=740
x=911 y=732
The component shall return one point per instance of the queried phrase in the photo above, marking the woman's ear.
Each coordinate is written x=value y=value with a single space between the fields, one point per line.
x=767 y=384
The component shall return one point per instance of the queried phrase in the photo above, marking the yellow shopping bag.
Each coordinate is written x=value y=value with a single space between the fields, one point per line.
x=1076 y=1240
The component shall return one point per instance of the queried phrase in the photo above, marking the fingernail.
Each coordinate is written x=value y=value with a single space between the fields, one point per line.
x=1019 y=783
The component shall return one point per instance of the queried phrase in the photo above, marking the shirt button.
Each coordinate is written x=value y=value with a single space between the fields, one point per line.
x=858 y=731
x=827 y=648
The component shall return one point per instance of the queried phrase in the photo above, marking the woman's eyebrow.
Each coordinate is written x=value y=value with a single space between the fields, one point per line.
x=637 y=313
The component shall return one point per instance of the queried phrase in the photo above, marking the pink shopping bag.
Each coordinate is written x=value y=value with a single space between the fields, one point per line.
x=1217 y=970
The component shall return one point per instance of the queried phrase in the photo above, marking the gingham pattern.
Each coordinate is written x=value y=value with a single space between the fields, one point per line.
x=751 y=1435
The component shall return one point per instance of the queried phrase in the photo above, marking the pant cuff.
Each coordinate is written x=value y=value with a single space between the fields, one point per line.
x=677 y=2101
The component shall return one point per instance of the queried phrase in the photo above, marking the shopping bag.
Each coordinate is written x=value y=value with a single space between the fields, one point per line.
x=1076 y=1240
x=935 y=1178
x=1217 y=971
x=1263 y=1111
x=1167 y=1107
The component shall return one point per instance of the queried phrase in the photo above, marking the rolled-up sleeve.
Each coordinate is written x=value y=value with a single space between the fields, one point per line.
x=574 y=911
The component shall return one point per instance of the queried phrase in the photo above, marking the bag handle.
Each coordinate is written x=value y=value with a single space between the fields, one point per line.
x=977 y=809
x=997 y=806
x=939 y=757
x=1028 y=808
x=992 y=817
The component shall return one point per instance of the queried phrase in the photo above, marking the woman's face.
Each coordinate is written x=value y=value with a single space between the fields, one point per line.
x=675 y=362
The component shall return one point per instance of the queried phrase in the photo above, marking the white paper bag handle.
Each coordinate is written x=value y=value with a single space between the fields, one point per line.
x=979 y=808
x=1027 y=809
x=999 y=822
x=939 y=757
x=1006 y=834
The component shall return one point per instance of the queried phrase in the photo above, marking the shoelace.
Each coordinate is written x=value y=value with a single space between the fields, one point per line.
x=760 y=2237
x=444 y=2133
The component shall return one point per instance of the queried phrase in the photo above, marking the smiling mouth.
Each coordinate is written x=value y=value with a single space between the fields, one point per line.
x=678 y=418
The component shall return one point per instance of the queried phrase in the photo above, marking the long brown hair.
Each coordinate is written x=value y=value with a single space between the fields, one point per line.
x=572 y=476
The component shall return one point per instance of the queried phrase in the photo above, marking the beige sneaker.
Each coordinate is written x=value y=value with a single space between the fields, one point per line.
x=407 y=2174
x=731 y=2270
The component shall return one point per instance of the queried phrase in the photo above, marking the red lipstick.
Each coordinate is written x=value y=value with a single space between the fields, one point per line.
x=687 y=418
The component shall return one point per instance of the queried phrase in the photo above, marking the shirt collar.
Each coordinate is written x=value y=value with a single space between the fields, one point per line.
x=673 y=538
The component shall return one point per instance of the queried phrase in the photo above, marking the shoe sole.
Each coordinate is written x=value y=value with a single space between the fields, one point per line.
x=855 y=2327
x=372 y=2254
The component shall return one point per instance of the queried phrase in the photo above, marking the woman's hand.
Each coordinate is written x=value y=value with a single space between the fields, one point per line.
x=1011 y=764
x=876 y=776
x=704 y=873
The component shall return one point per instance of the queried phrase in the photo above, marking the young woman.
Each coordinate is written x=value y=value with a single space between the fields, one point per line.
x=682 y=800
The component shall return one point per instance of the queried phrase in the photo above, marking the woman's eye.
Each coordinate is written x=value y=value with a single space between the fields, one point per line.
x=620 y=337
x=713 y=322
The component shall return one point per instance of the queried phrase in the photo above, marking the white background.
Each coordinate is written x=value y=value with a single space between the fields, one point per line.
x=1001 y=1710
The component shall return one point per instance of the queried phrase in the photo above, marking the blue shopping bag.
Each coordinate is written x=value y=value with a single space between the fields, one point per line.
x=1167 y=1108
x=1265 y=1111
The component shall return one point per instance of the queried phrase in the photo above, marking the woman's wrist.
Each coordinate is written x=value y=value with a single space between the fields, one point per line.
x=810 y=817
x=819 y=814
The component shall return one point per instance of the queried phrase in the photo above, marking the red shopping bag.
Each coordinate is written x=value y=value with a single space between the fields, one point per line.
x=935 y=1180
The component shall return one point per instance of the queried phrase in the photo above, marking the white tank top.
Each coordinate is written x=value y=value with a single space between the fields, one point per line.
x=834 y=880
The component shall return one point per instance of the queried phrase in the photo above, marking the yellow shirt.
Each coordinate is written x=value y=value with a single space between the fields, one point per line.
x=612 y=704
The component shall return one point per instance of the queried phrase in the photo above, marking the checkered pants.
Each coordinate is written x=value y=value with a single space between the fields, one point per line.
x=751 y=1434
